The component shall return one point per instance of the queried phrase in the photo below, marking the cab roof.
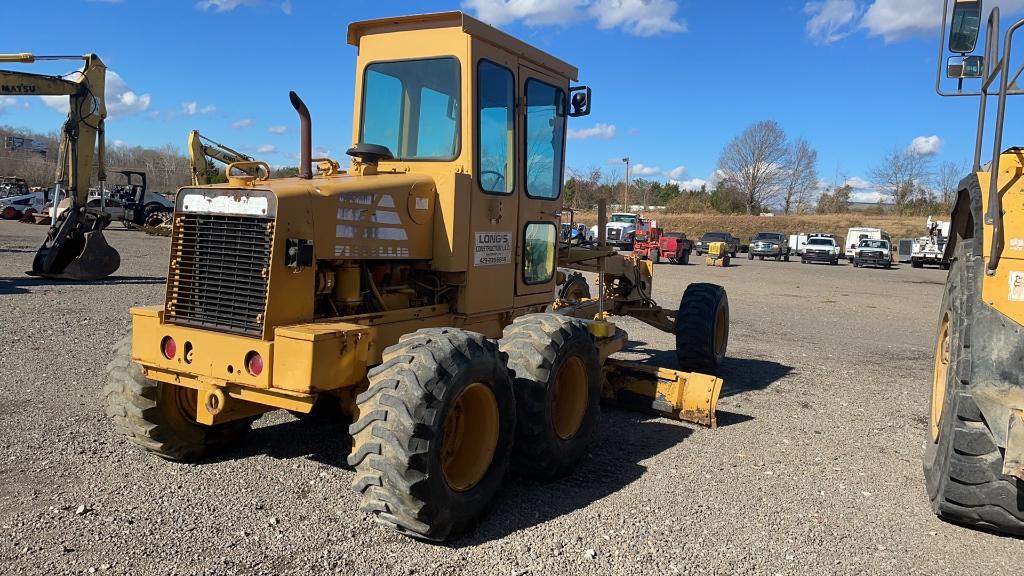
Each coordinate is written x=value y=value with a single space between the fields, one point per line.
x=470 y=26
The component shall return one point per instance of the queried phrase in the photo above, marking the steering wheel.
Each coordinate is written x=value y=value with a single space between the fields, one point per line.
x=499 y=177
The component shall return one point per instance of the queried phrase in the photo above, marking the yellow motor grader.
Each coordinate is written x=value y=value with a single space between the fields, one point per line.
x=415 y=291
x=974 y=461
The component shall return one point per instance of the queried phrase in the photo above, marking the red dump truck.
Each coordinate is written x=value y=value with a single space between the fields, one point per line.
x=654 y=243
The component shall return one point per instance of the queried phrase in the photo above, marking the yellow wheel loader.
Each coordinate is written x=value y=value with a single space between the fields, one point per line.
x=414 y=291
x=974 y=460
x=75 y=248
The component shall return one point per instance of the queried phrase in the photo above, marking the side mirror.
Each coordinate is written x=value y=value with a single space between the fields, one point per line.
x=579 y=99
x=960 y=67
x=963 y=32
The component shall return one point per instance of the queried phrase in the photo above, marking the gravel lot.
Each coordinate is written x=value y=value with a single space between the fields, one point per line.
x=815 y=467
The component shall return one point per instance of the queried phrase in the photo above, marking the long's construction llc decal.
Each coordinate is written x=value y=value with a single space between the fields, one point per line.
x=492 y=248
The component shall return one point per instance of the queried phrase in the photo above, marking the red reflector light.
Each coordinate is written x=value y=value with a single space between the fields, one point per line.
x=254 y=363
x=169 y=347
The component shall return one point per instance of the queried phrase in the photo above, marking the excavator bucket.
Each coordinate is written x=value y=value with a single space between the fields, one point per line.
x=69 y=253
x=688 y=396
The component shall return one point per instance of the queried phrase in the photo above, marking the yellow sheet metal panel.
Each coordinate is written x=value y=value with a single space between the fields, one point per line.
x=201 y=353
x=1005 y=289
x=319 y=357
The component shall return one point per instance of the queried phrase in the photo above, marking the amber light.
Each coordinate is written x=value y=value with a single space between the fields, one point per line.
x=169 y=347
x=254 y=363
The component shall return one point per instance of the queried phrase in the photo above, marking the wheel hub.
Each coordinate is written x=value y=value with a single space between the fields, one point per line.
x=939 y=375
x=569 y=398
x=470 y=437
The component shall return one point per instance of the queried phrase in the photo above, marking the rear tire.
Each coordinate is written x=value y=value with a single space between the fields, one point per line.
x=963 y=466
x=558 y=383
x=750 y=255
x=655 y=256
x=154 y=415
x=685 y=261
x=702 y=327
x=435 y=432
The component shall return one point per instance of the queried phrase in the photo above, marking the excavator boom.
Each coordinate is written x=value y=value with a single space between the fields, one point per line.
x=74 y=248
x=200 y=148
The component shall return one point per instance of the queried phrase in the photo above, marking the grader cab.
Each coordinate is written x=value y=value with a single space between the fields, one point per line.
x=412 y=292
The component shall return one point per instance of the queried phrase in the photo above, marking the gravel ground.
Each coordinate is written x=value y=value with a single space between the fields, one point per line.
x=814 y=469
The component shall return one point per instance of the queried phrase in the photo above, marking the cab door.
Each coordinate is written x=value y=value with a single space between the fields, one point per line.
x=542 y=143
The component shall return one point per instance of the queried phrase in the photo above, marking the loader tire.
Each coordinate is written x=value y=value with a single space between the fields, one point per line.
x=962 y=463
x=434 y=433
x=558 y=383
x=702 y=327
x=155 y=416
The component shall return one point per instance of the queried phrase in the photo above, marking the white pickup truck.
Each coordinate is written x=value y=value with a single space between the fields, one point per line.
x=621 y=229
x=820 y=249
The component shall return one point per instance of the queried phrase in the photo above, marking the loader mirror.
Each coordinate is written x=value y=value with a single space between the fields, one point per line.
x=963 y=32
x=960 y=67
x=579 y=101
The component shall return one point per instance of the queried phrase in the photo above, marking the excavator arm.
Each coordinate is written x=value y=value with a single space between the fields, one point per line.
x=74 y=248
x=200 y=148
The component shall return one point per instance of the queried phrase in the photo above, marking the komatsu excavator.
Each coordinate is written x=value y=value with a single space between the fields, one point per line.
x=75 y=248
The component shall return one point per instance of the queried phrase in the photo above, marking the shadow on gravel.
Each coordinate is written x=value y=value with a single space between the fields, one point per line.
x=622 y=442
x=740 y=374
x=21 y=285
x=321 y=440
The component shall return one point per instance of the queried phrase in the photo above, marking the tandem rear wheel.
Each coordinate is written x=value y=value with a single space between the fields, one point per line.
x=434 y=433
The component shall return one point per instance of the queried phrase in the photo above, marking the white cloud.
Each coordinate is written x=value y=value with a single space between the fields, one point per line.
x=243 y=123
x=605 y=131
x=266 y=149
x=120 y=143
x=691 y=184
x=858 y=183
x=321 y=152
x=642 y=170
x=676 y=173
x=286 y=7
x=893 y=20
x=925 y=145
x=120 y=99
x=867 y=196
x=637 y=17
x=830 y=20
x=277 y=129
x=192 y=108
x=223 y=5
x=10 y=102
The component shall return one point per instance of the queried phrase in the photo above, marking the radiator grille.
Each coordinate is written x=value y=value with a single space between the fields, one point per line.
x=219 y=270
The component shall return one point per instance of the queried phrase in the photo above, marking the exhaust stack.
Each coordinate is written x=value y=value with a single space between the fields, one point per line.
x=305 y=137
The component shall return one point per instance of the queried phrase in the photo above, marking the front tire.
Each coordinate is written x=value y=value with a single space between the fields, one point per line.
x=558 y=390
x=962 y=463
x=702 y=327
x=435 y=432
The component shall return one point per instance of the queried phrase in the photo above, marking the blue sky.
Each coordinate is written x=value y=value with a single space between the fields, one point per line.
x=673 y=80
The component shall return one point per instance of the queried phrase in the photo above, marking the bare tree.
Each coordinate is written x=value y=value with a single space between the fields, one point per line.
x=800 y=177
x=752 y=163
x=900 y=174
x=947 y=180
x=835 y=201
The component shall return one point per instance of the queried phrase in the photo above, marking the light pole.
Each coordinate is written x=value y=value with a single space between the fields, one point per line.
x=625 y=189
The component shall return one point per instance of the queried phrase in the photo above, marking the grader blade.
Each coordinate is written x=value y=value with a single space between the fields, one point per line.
x=688 y=396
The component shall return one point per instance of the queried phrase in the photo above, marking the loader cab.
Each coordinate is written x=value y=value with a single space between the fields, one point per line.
x=485 y=115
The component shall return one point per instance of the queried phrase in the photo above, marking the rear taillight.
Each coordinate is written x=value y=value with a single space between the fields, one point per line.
x=169 y=347
x=254 y=363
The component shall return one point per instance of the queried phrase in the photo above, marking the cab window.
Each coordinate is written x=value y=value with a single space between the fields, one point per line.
x=412 y=107
x=539 y=253
x=496 y=123
x=545 y=139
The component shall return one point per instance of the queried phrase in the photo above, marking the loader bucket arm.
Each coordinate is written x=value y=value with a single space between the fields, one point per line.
x=74 y=248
